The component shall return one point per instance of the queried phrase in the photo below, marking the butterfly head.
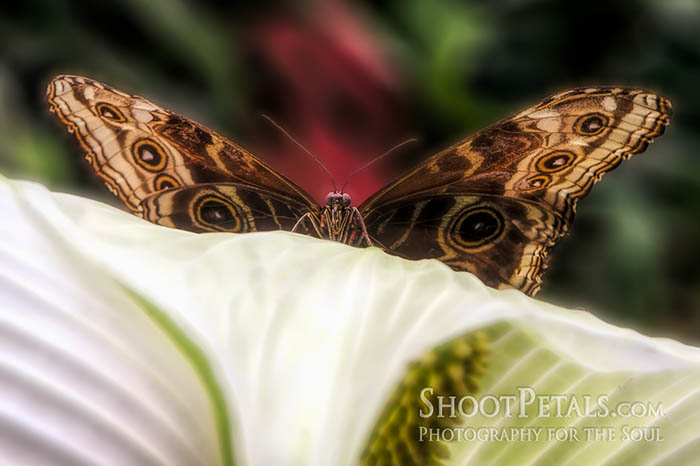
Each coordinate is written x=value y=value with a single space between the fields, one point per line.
x=337 y=209
x=338 y=200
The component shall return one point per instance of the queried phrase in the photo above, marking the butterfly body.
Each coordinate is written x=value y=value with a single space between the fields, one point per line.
x=338 y=221
x=493 y=204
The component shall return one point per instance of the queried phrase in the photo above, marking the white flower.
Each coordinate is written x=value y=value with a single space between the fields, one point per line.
x=122 y=342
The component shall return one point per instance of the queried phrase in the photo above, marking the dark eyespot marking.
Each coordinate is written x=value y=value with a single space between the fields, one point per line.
x=149 y=155
x=217 y=213
x=511 y=127
x=174 y=120
x=507 y=143
x=483 y=142
x=202 y=136
x=109 y=112
x=187 y=134
x=164 y=181
x=591 y=124
x=452 y=162
x=477 y=226
x=555 y=161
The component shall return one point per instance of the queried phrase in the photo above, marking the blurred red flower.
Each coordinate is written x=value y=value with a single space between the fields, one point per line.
x=331 y=85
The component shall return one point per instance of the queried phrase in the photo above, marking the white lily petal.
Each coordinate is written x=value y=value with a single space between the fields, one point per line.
x=307 y=339
x=85 y=375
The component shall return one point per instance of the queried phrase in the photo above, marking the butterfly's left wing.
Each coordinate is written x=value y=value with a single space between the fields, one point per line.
x=495 y=203
x=171 y=170
x=155 y=159
x=231 y=207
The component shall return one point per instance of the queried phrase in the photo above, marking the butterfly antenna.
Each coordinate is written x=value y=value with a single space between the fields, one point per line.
x=307 y=151
x=376 y=159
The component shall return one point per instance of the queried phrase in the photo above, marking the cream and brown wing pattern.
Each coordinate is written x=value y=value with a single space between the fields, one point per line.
x=495 y=203
x=140 y=149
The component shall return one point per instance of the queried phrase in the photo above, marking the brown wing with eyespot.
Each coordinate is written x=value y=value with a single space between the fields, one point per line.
x=140 y=149
x=543 y=159
x=231 y=207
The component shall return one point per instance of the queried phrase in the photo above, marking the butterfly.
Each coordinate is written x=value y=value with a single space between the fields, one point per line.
x=493 y=204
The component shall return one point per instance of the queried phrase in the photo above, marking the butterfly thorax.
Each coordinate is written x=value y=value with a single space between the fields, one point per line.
x=337 y=220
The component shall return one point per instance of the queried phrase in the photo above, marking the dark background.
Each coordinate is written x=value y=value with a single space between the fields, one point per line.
x=351 y=79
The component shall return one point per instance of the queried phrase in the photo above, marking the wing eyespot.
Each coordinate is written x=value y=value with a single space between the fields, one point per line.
x=477 y=226
x=110 y=112
x=535 y=183
x=591 y=124
x=217 y=213
x=555 y=161
x=149 y=155
x=164 y=181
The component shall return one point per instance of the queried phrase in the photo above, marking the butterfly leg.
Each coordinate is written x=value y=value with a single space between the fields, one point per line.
x=311 y=219
x=358 y=217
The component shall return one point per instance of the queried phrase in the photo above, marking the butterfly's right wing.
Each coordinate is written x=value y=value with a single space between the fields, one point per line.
x=495 y=203
x=140 y=149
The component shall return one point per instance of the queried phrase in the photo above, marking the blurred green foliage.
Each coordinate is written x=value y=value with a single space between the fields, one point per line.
x=634 y=253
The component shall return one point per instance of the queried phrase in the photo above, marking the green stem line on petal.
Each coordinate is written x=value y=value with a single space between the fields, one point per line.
x=198 y=359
